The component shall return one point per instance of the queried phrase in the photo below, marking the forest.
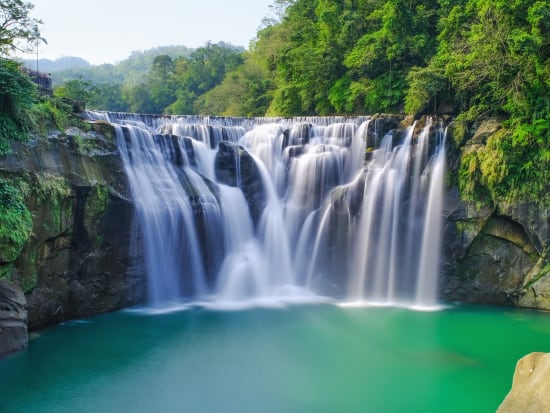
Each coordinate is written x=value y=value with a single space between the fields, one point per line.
x=469 y=59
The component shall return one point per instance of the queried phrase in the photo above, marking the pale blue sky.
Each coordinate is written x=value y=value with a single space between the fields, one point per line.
x=103 y=31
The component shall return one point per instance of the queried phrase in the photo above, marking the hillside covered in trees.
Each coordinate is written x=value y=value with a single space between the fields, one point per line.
x=469 y=59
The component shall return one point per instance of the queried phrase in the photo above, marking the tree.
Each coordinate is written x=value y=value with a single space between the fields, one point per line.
x=77 y=89
x=159 y=81
x=401 y=35
x=202 y=71
x=18 y=31
x=243 y=92
x=277 y=12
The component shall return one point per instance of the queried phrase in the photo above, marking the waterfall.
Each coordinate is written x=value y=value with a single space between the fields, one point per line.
x=236 y=210
x=427 y=280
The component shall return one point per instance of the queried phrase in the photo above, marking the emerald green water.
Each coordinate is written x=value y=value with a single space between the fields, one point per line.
x=300 y=359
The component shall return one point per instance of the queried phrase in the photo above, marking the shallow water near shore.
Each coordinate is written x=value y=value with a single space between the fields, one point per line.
x=314 y=358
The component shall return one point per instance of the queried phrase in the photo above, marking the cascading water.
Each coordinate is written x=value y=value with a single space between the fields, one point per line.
x=239 y=210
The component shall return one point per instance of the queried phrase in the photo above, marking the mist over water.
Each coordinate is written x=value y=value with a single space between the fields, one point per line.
x=235 y=211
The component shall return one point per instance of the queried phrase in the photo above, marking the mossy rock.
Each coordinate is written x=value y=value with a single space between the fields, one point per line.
x=487 y=128
x=457 y=133
x=52 y=204
x=104 y=129
x=27 y=276
x=97 y=202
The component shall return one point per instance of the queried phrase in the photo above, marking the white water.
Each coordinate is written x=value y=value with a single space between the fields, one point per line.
x=330 y=224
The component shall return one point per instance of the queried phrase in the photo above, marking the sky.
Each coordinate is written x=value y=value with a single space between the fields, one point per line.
x=108 y=31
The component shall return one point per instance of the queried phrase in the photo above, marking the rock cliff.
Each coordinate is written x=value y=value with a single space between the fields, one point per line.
x=77 y=261
x=496 y=251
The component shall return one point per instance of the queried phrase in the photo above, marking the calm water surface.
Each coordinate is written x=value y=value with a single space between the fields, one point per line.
x=300 y=359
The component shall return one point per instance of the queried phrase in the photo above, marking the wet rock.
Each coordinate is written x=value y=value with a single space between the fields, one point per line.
x=487 y=257
x=236 y=167
x=300 y=134
x=13 y=319
x=380 y=125
x=536 y=289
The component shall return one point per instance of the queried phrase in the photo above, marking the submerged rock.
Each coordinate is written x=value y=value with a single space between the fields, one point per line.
x=530 y=391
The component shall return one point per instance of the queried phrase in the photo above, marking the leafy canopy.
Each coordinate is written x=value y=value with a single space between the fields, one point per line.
x=17 y=28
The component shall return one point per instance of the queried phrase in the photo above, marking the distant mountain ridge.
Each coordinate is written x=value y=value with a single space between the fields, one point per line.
x=130 y=70
x=62 y=63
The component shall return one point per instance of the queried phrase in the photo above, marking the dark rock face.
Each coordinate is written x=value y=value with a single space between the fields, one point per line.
x=78 y=262
x=236 y=167
x=381 y=125
x=13 y=319
x=488 y=259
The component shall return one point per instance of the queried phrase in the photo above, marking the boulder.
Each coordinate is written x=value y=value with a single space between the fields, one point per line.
x=530 y=391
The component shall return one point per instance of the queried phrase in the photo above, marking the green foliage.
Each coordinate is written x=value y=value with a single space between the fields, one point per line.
x=129 y=71
x=512 y=166
x=470 y=181
x=52 y=193
x=48 y=187
x=17 y=28
x=15 y=221
x=205 y=69
x=77 y=89
x=51 y=112
x=426 y=87
x=121 y=87
x=17 y=95
x=243 y=92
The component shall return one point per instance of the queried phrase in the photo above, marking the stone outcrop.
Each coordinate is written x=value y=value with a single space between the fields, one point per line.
x=13 y=319
x=78 y=261
x=530 y=391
